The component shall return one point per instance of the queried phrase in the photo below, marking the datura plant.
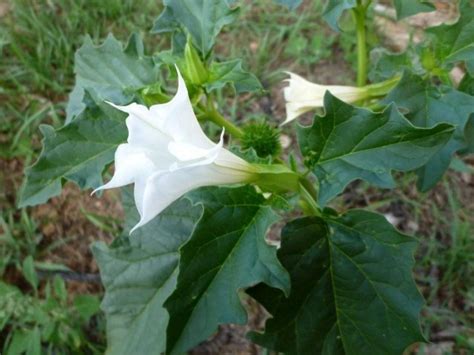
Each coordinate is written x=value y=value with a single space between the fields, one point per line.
x=207 y=189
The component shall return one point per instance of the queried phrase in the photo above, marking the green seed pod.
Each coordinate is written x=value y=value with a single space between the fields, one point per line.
x=263 y=138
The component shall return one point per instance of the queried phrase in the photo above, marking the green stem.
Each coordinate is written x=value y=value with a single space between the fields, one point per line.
x=362 y=58
x=382 y=88
x=211 y=114
x=308 y=194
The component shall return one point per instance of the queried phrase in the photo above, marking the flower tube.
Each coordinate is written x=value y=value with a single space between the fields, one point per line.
x=302 y=96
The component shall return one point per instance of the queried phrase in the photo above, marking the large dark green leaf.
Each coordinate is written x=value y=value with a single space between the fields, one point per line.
x=226 y=253
x=139 y=273
x=77 y=152
x=352 y=289
x=455 y=43
x=202 y=19
x=231 y=72
x=110 y=72
x=427 y=106
x=351 y=143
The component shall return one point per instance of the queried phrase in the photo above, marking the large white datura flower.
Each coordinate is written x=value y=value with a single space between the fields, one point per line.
x=302 y=96
x=167 y=154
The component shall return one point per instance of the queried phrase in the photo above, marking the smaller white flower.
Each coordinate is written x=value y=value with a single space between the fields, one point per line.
x=302 y=96
x=167 y=155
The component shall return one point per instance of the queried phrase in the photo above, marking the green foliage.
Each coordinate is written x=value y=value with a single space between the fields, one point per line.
x=352 y=289
x=386 y=65
x=50 y=324
x=455 y=43
x=309 y=49
x=227 y=252
x=291 y=4
x=250 y=155
x=231 y=72
x=77 y=152
x=37 y=42
x=263 y=138
x=194 y=68
x=467 y=84
x=18 y=239
x=201 y=19
x=29 y=272
x=427 y=106
x=335 y=8
x=110 y=73
x=139 y=273
x=406 y=8
x=350 y=143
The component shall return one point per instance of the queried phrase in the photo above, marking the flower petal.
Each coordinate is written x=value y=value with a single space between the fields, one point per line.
x=193 y=155
x=177 y=118
x=142 y=133
x=303 y=96
x=162 y=189
x=131 y=164
x=300 y=89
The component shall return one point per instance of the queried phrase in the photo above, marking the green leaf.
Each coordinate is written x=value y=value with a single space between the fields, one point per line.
x=250 y=155
x=60 y=290
x=470 y=66
x=455 y=43
x=25 y=341
x=86 y=305
x=9 y=297
x=139 y=273
x=334 y=9
x=291 y=4
x=29 y=272
x=77 y=152
x=352 y=143
x=226 y=253
x=110 y=72
x=467 y=84
x=469 y=136
x=352 y=288
x=202 y=19
x=385 y=65
x=406 y=8
x=427 y=106
x=231 y=72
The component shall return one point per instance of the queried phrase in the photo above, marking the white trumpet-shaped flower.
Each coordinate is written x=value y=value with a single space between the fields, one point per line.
x=302 y=96
x=167 y=154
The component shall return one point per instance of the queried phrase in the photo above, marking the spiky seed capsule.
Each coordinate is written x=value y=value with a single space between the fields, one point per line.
x=263 y=138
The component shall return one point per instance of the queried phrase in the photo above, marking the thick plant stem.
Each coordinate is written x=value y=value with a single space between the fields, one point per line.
x=214 y=116
x=362 y=57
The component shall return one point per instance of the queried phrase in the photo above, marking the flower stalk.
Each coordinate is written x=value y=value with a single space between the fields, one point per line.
x=359 y=13
x=309 y=197
x=211 y=114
